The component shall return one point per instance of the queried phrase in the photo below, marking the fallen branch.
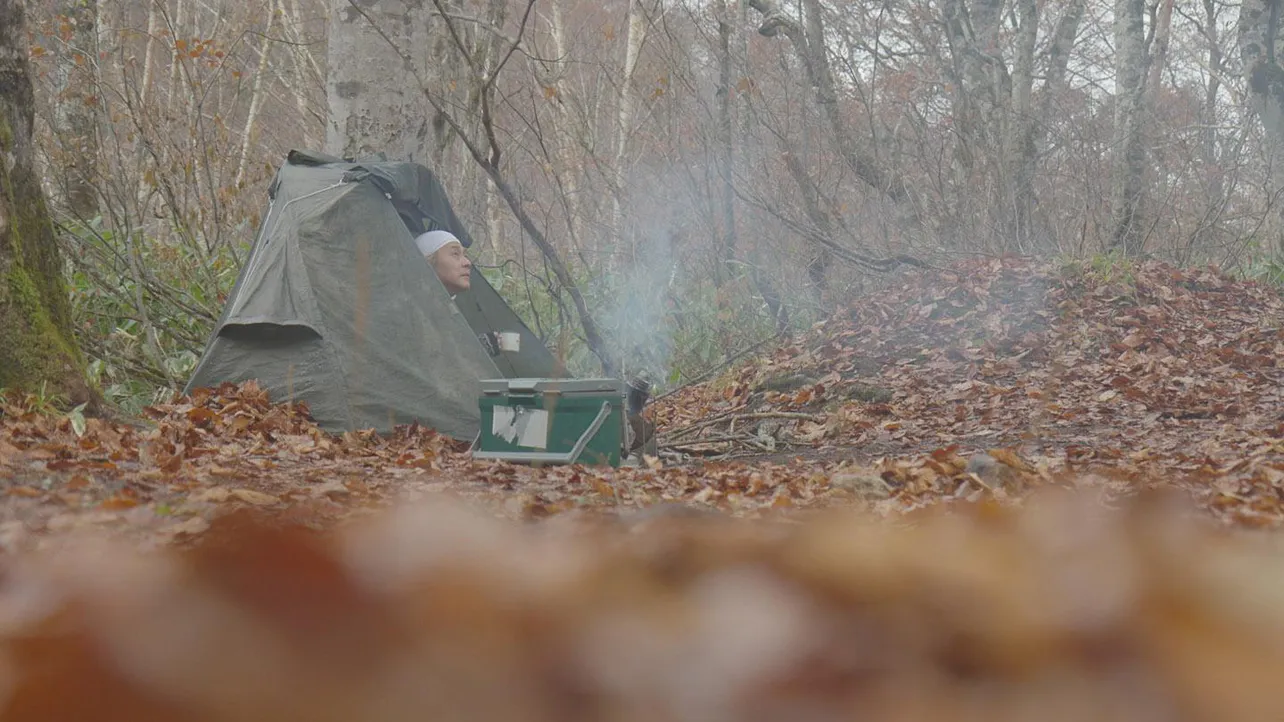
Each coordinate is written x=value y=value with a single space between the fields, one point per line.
x=673 y=436
x=724 y=439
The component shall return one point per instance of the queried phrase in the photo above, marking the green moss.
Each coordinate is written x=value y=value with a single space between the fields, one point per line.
x=31 y=345
x=35 y=333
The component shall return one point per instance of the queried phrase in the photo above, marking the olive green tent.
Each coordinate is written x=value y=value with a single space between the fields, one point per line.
x=336 y=307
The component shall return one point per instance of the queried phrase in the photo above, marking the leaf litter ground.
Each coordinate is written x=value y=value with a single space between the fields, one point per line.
x=853 y=522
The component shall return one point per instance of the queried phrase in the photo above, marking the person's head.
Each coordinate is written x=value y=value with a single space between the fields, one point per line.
x=445 y=254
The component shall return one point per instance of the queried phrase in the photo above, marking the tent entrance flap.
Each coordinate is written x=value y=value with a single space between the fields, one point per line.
x=336 y=307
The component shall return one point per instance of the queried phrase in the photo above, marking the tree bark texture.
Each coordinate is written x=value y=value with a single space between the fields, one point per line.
x=74 y=116
x=36 y=343
x=375 y=107
x=1259 y=22
x=726 y=142
x=1016 y=206
x=1129 y=139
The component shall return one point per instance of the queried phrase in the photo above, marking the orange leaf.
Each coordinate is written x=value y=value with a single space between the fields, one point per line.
x=26 y=491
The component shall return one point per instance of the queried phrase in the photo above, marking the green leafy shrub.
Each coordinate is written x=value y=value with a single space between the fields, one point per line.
x=143 y=308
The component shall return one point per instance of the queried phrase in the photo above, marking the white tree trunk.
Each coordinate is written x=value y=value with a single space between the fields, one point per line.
x=176 y=29
x=1018 y=137
x=1215 y=179
x=256 y=95
x=635 y=35
x=149 y=62
x=375 y=102
x=726 y=248
x=1159 y=55
x=1259 y=23
x=565 y=130
x=1129 y=142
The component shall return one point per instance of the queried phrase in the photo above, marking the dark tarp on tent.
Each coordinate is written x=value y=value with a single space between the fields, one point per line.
x=336 y=307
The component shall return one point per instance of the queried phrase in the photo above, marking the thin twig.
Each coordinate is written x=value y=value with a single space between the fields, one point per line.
x=734 y=418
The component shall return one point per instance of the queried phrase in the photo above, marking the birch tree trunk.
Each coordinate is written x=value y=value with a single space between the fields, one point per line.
x=1057 y=55
x=726 y=248
x=1159 y=53
x=1215 y=178
x=1018 y=138
x=1259 y=27
x=375 y=106
x=149 y=62
x=1129 y=140
x=74 y=118
x=635 y=35
x=256 y=95
x=566 y=131
x=36 y=342
x=971 y=31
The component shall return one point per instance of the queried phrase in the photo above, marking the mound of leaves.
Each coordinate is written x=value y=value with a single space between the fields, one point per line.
x=1142 y=372
x=193 y=459
x=1058 y=611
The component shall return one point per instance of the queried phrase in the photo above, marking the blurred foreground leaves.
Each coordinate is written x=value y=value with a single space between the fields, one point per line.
x=1060 y=610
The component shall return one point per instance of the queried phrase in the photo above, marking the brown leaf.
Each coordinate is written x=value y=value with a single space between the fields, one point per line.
x=25 y=491
x=118 y=502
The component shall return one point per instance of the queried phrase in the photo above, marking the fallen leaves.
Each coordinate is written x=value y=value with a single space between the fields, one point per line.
x=221 y=449
x=922 y=532
x=983 y=381
x=1173 y=375
x=1058 y=608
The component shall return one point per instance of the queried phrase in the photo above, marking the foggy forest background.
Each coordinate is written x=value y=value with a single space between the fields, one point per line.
x=702 y=174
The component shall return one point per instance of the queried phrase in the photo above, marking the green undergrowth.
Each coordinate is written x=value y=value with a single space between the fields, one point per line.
x=143 y=308
x=1111 y=267
x=673 y=325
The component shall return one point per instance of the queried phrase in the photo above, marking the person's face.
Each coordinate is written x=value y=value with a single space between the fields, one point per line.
x=453 y=268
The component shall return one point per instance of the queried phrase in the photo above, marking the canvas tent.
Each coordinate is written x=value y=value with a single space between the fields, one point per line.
x=336 y=307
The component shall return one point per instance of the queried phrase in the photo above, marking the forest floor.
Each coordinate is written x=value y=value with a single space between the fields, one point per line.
x=938 y=412
x=988 y=379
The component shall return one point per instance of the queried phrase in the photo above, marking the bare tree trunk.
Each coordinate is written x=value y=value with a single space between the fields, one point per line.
x=726 y=248
x=809 y=44
x=635 y=35
x=1259 y=27
x=1020 y=154
x=1160 y=42
x=36 y=342
x=565 y=132
x=1214 y=175
x=1129 y=140
x=256 y=95
x=820 y=219
x=978 y=99
x=74 y=118
x=176 y=28
x=149 y=62
x=372 y=109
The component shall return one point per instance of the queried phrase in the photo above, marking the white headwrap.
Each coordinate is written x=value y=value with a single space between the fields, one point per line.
x=432 y=241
